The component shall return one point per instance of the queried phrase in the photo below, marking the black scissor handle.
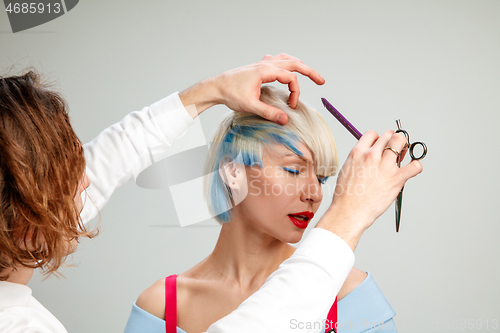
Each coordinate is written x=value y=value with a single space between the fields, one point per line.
x=405 y=133
x=411 y=146
x=424 y=150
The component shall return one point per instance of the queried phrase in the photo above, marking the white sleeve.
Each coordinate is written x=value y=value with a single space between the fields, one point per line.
x=25 y=323
x=296 y=298
x=123 y=150
x=22 y=319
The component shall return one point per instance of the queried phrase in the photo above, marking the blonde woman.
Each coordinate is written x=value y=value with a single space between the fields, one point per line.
x=264 y=190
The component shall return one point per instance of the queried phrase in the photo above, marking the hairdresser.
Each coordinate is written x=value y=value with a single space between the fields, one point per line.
x=39 y=224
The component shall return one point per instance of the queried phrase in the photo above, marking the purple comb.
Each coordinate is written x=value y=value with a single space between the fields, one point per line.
x=357 y=134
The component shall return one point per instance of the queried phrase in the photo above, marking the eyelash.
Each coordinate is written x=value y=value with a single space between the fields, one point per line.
x=293 y=171
x=296 y=172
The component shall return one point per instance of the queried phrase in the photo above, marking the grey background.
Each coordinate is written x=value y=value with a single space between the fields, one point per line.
x=434 y=64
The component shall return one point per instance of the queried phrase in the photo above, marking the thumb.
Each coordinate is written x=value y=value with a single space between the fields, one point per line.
x=269 y=112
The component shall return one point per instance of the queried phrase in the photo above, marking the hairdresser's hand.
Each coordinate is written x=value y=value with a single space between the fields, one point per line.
x=239 y=88
x=368 y=183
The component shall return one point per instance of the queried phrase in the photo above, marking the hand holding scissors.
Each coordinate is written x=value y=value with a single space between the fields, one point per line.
x=410 y=147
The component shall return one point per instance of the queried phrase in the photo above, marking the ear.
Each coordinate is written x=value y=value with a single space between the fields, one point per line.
x=233 y=174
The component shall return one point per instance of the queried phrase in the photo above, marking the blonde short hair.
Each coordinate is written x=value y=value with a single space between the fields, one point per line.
x=246 y=135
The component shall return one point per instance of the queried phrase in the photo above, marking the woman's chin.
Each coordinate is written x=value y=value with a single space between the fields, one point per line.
x=295 y=237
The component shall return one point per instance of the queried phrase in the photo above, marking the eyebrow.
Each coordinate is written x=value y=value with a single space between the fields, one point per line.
x=295 y=156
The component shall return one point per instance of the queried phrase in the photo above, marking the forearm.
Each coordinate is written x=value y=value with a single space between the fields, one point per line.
x=345 y=225
x=123 y=150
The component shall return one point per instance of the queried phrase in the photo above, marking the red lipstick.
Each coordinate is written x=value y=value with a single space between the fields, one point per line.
x=301 y=220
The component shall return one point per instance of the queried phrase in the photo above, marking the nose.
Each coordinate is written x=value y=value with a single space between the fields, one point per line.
x=311 y=190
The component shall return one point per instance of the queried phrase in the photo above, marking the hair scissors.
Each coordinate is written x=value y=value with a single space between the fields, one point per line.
x=410 y=147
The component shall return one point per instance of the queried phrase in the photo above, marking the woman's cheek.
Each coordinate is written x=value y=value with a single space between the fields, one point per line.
x=254 y=186
x=289 y=189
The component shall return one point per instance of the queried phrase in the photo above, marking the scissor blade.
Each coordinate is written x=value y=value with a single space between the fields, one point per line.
x=398 y=204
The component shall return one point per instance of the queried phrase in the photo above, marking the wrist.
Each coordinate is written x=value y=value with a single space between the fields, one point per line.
x=347 y=226
x=203 y=95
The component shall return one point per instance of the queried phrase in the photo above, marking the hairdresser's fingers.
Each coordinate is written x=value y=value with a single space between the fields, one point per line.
x=379 y=146
x=300 y=67
x=291 y=63
x=294 y=94
x=272 y=74
x=293 y=87
x=268 y=112
x=284 y=56
x=374 y=154
x=397 y=143
x=368 y=139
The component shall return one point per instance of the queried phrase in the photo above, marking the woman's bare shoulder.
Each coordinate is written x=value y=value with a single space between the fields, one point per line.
x=152 y=299
x=353 y=280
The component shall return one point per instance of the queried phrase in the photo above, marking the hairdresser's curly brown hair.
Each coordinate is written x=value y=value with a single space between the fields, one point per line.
x=41 y=165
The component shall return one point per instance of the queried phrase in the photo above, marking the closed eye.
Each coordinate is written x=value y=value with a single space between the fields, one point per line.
x=293 y=171
x=321 y=180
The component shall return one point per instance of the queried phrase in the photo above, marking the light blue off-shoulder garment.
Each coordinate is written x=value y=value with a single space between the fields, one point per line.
x=365 y=309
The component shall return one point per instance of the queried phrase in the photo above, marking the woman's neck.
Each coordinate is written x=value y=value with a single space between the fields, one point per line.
x=21 y=275
x=246 y=256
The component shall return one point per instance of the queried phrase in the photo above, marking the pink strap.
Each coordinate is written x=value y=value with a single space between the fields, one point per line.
x=331 y=319
x=171 y=304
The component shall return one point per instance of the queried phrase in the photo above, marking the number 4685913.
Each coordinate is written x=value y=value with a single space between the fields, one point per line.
x=33 y=8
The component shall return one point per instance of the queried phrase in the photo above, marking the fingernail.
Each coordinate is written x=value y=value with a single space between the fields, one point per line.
x=281 y=119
